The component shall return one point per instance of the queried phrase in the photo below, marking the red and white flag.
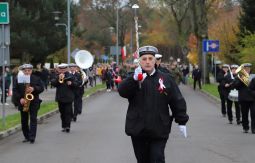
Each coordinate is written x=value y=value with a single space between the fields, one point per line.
x=123 y=52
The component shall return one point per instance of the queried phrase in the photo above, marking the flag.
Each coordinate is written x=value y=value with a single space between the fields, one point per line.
x=135 y=55
x=123 y=53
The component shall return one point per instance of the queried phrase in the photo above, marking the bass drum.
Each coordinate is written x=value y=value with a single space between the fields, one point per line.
x=233 y=95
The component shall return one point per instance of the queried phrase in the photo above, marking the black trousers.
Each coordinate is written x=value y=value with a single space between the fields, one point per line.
x=247 y=106
x=149 y=150
x=65 y=110
x=77 y=105
x=29 y=130
x=223 y=102
x=195 y=83
x=237 y=110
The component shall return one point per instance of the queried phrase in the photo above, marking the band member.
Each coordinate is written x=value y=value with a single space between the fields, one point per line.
x=24 y=86
x=245 y=98
x=227 y=85
x=148 y=121
x=252 y=109
x=64 y=84
x=78 y=90
x=220 y=76
x=158 y=62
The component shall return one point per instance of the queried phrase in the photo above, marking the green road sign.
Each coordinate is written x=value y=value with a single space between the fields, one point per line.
x=4 y=13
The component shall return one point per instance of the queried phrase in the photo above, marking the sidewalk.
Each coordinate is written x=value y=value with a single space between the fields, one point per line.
x=46 y=96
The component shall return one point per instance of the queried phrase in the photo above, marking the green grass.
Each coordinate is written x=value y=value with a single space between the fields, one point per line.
x=212 y=89
x=14 y=119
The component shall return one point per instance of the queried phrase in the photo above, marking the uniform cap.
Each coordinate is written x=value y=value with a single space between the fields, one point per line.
x=234 y=66
x=73 y=65
x=158 y=56
x=247 y=64
x=26 y=66
x=225 y=66
x=63 y=65
x=147 y=50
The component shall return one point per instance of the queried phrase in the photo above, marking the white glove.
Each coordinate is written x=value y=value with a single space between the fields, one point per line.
x=139 y=75
x=183 y=130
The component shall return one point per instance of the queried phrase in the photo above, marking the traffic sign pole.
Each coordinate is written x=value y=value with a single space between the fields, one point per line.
x=4 y=21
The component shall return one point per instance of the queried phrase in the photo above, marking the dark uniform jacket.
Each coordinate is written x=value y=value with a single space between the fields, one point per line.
x=19 y=91
x=219 y=77
x=77 y=84
x=148 y=111
x=196 y=74
x=244 y=93
x=64 y=92
x=227 y=80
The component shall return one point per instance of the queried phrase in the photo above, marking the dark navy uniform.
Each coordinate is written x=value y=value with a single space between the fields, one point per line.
x=225 y=91
x=220 y=77
x=65 y=98
x=29 y=131
x=78 y=91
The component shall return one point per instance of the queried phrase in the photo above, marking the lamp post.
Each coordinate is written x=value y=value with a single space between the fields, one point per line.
x=67 y=27
x=135 y=7
x=117 y=33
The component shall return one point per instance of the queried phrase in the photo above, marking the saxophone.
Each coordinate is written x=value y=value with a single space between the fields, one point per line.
x=28 y=98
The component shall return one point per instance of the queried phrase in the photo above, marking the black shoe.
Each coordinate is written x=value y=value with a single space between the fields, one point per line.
x=32 y=141
x=253 y=131
x=63 y=130
x=74 y=119
x=24 y=141
x=230 y=122
x=245 y=131
x=238 y=122
x=67 y=130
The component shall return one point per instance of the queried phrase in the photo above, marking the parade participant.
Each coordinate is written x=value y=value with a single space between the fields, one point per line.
x=175 y=72
x=77 y=90
x=245 y=98
x=148 y=121
x=227 y=85
x=196 y=76
x=26 y=90
x=219 y=77
x=63 y=81
x=158 y=62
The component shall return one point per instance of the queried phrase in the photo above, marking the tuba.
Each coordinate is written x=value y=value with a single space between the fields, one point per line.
x=243 y=75
x=84 y=60
x=28 y=98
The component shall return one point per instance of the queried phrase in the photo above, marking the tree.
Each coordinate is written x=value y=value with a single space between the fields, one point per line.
x=247 y=17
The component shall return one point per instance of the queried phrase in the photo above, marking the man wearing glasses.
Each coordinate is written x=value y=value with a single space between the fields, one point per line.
x=150 y=92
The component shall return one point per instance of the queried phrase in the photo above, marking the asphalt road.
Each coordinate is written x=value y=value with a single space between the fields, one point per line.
x=98 y=136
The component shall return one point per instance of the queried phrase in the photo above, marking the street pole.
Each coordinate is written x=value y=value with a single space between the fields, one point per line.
x=3 y=77
x=68 y=32
x=117 y=34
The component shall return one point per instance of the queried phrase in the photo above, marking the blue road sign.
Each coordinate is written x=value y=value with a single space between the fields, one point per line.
x=212 y=46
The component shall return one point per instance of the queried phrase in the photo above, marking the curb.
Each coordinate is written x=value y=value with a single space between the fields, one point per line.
x=40 y=119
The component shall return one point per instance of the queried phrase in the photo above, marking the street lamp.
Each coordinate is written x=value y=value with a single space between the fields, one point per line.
x=135 y=7
x=67 y=27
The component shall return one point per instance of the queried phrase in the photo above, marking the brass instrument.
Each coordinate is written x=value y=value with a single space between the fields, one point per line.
x=61 y=79
x=243 y=75
x=28 y=98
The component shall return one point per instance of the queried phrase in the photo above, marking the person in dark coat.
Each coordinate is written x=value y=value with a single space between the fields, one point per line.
x=196 y=76
x=227 y=86
x=64 y=95
x=158 y=66
x=32 y=85
x=150 y=92
x=219 y=77
x=246 y=100
x=45 y=74
x=77 y=90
